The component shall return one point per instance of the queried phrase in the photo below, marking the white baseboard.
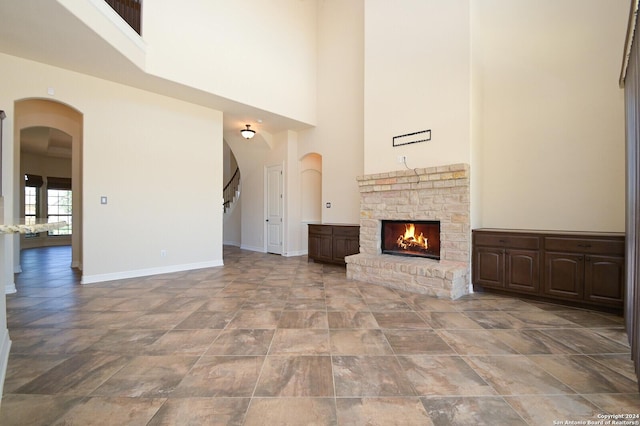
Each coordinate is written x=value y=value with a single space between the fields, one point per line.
x=297 y=253
x=262 y=250
x=98 y=278
x=231 y=243
x=10 y=288
x=252 y=248
x=5 y=347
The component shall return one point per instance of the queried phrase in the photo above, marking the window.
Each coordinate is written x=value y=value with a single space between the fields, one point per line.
x=32 y=184
x=59 y=205
x=30 y=205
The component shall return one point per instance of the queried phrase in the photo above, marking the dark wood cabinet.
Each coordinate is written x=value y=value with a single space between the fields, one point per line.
x=488 y=267
x=320 y=243
x=589 y=269
x=522 y=270
x=331 y=243
x=346 y=241
x=600 y=273
x=564 y=275
x=585 y=269
x=506 y=261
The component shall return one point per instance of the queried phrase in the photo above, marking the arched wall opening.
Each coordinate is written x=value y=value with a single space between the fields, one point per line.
x=44 y=113
x=310 y=191
x=45 y=157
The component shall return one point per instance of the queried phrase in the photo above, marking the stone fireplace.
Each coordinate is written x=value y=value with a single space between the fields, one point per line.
x=432 y=195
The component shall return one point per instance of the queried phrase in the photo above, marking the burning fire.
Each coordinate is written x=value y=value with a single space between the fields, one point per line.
x=409 y=241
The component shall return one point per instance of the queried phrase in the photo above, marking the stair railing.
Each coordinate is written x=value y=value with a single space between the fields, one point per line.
x=230 y=189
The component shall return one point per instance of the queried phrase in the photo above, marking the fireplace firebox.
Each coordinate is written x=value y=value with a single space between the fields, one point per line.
x=419 y=238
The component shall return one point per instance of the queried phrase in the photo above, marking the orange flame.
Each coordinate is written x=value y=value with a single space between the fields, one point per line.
x=409 y=240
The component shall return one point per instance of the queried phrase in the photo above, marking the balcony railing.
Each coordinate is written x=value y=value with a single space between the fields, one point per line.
x=129 y=10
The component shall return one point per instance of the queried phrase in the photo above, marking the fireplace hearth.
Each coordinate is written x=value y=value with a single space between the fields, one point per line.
x=420 y=238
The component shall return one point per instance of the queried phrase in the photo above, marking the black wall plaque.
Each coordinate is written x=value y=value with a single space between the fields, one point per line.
x=409 y=138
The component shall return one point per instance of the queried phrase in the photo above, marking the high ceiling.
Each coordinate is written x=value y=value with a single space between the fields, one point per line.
x=45 y=31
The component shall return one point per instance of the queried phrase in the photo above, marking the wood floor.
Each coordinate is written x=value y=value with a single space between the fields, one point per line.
x=269 y=340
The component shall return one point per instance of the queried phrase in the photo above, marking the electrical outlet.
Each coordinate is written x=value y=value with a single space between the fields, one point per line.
x=402 y=159
x=163 y=253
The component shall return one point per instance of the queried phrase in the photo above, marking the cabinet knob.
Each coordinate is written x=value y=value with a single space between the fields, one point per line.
x=588 y=258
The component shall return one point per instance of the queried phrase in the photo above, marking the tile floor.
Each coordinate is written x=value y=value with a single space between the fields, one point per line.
x=267 y=340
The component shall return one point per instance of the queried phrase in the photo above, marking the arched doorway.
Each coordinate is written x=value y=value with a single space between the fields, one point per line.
x=59 y=129
x=311 y=191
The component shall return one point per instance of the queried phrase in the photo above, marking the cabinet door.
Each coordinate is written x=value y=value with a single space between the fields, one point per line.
x=522 y=270
x=488 y=269
x=564 y=275
x=326 y=250
x=320 y=247
x=344 y=246
x=314 y=246
x=604 y=279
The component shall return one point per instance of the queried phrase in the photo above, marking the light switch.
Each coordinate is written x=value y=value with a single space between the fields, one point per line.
x=103 y=200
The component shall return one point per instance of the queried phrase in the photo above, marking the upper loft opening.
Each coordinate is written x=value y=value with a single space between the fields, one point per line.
x=129 y=10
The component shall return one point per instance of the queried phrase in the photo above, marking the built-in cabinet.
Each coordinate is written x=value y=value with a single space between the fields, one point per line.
x=507 y=262
x=331 y=242
x=585 y=269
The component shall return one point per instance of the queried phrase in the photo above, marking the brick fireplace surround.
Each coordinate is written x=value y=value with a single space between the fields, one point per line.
x=435 y=193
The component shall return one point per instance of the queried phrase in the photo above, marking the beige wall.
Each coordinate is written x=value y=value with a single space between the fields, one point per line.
x=339 y=135
x=152 y=156
x=551 y=136
x=294 y=241
x=261 y=53
x=417 y=77
x=527 y=95
x=45 y=166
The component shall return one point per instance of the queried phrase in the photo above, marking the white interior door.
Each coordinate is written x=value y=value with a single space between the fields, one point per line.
x=275 y=201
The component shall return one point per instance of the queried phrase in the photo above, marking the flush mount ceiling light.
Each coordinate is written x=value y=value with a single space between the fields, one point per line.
x=247 y=133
